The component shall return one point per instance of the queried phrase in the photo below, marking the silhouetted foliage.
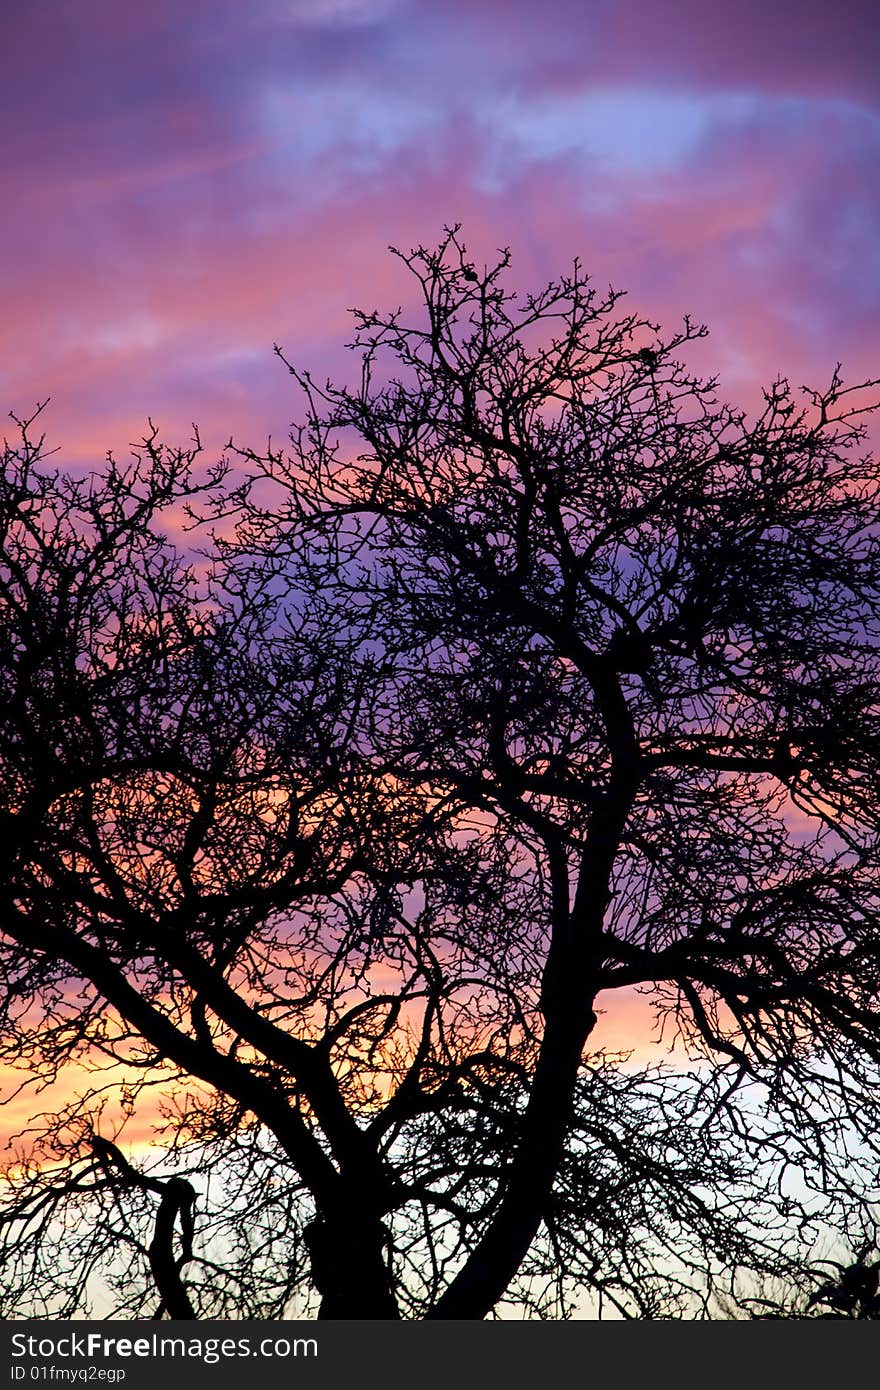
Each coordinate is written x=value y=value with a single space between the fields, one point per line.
x=529 y=673
x=853 y=1294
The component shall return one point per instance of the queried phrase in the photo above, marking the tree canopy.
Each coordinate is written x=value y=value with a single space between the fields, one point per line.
x=528 y=673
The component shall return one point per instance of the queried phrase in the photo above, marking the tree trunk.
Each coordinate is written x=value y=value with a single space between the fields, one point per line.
x=494 y=1262
x=568 y=994
x=349 y=1268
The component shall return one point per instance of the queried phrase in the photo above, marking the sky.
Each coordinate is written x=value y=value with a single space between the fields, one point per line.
x=187 y=182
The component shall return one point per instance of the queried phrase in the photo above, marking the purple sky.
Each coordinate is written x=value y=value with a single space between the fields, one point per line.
x=187 y=181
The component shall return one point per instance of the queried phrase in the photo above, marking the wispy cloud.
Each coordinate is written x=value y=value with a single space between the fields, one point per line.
x=188 y=184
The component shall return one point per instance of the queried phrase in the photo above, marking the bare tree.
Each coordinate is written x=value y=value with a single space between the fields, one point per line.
x=531 y=672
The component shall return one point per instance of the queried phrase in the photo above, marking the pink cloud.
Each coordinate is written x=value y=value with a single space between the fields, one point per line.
x=174 y=213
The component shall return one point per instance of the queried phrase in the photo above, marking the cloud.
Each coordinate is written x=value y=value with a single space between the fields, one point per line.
x=194 y=183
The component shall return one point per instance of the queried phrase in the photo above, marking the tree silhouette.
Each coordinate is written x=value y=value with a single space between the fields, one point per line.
x=529 y=673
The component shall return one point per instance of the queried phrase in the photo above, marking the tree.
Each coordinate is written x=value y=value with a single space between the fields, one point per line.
x=530 y=672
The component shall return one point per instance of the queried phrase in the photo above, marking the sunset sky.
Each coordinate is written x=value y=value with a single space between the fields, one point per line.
x=187 y=183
